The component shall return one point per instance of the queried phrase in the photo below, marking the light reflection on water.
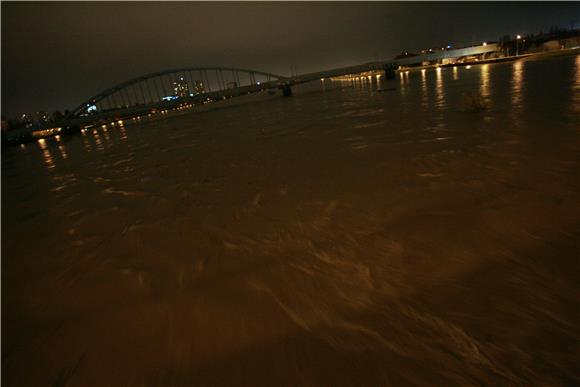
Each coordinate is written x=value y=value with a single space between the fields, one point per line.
x=517 y=102
x=517 y=83
x=107 y=137
x=439 y=91
x=485 y=81
x=297 y=234
x=123 y=133
x=87 y=144
x=62 y=151
x=46 y=154
x=48 y=159
x=402 y=83
x=42 y=143
x=97 y=138
x=424 y=92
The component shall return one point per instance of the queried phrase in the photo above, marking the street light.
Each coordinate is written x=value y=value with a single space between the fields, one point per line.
x=518 y=43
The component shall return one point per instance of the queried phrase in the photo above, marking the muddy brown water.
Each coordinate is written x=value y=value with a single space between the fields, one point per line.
x=341 y=237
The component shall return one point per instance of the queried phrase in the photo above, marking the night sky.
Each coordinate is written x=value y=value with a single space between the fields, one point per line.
x=56 y=55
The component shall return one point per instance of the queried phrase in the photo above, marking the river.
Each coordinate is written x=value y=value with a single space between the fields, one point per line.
x=426 y=234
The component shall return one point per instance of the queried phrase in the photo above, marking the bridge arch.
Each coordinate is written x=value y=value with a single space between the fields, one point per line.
x=182 y=84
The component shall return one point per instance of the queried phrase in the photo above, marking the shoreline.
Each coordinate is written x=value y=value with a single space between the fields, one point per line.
x=538 y=55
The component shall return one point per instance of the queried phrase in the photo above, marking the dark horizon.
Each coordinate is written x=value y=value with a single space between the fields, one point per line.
x=55 y=55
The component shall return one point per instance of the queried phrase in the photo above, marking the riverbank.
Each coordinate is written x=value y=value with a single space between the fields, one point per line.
x=536 y=55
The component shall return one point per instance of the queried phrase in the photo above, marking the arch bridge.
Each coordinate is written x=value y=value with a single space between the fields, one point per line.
x=169 y=88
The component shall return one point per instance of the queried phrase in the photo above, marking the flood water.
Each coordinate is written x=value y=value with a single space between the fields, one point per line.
x=426 y=235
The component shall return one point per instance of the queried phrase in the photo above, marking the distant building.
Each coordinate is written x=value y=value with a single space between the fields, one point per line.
x=448 y=55
x=180 y=88
x=43 y=117
x=26 y=120
x=199 y=88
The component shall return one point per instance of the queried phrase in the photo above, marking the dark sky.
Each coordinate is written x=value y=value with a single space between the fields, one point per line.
x=56 y=55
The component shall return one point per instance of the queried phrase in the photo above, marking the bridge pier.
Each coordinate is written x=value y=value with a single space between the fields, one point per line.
x=72 y=127
x=389 y=72
x=286 y=90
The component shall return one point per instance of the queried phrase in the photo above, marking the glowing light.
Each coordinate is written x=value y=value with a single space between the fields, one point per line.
x=57 y=137
x=519 y=36
x=468 y=67
x=48 y=158
x=62 y=152
x=484 y=43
